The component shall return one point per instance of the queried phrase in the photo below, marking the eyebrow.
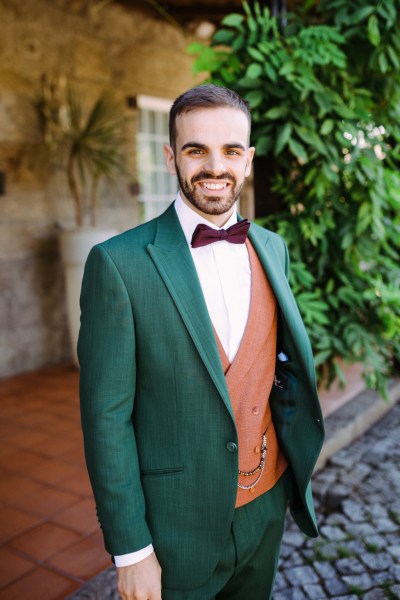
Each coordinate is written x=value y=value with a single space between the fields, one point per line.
x=204 y=147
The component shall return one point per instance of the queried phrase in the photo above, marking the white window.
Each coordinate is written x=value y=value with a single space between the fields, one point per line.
x=157 y=187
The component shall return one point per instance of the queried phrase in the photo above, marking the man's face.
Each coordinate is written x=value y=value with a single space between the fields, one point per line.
x=211 y=159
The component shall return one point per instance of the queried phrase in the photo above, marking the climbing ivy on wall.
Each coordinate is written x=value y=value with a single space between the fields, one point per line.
x=324 y=90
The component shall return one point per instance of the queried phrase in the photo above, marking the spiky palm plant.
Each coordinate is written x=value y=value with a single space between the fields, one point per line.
x=90 y=146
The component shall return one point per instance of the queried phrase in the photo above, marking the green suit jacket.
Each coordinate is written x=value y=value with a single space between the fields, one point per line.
x=156 y=412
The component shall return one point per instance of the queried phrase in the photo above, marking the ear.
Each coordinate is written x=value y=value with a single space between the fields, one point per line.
x=249 y=160
x=169 y=159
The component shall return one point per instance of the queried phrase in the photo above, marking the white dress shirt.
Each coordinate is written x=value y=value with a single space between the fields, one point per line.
x=224 y=273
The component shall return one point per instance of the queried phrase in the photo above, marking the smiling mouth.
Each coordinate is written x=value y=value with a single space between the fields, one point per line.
x=213 y=186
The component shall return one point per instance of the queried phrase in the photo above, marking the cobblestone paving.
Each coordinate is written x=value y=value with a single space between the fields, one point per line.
x=357 y=554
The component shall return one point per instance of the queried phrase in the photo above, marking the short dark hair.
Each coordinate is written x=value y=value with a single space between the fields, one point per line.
x=205 y=96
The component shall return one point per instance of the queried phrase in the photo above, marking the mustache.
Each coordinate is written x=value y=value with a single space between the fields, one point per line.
x=208 y=175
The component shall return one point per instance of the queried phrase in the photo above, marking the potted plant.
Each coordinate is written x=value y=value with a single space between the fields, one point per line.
x=89 y=147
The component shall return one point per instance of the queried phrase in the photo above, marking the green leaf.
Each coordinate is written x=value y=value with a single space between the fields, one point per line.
x=393 y=57
x=362 y=13
x=383 y=64
x=253 y=71
x=223 y=37
x=277 y=112
x=322 y=357
x=324 y=102
x=374 y=35
x=270 y=72
x=283 y=137
x=195 y=48
x=238 y=44
x=249 y=83
x=233 y=20
x=252 y=24
x=311 y=138
x=298 y=150
x=287 y=68
x=364 y=218
x=263 y=145
x=345 y=112
x=256 y=54
x=327 y=126
x=254 y=98
x=310 y=176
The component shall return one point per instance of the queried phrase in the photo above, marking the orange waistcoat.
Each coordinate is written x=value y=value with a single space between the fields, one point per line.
x=249 y=379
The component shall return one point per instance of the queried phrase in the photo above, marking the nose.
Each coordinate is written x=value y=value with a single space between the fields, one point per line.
x=215 y=164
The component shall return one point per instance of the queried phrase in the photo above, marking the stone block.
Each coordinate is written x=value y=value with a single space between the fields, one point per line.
x=294 y=538
x=333 y=534
x=290 y=594
x=353 y=510
x=314 y=592
x=335 y=587
x=361 y=582
x=378 y=561
x=335 y=495
x=325 y=570
x=298 y=576
x=386 y=526
x=395 y=552
x=349 y=566
x=376 y=541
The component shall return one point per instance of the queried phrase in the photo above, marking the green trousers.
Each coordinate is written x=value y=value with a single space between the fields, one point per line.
x=248 y=565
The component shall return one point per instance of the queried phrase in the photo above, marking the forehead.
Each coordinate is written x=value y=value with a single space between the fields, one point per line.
x=211 y=125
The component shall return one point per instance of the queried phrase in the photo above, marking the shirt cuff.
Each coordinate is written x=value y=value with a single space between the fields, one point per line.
x=124 y=560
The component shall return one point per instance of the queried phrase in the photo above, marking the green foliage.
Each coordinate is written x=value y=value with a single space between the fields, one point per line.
x=325 y=100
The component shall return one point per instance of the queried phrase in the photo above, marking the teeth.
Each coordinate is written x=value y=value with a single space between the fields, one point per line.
x=214 y=186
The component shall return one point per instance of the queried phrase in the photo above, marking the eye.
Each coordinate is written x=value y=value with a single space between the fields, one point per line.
x=196 y=151
x=232 y=152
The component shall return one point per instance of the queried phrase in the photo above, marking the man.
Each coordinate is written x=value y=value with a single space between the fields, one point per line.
x=199 y=407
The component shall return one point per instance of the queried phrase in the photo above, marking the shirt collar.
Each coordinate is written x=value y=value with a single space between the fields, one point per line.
x=189 y=219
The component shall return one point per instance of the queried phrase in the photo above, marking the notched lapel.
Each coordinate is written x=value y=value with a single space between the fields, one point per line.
x=172 y=258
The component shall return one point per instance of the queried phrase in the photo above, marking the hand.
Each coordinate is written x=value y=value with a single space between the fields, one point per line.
x=141 y=581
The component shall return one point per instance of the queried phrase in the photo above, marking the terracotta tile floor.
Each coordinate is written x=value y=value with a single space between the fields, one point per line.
x=50 y=543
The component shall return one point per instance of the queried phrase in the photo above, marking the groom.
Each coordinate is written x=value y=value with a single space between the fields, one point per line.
x=199 y=406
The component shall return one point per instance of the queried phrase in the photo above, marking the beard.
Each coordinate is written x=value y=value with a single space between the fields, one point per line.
x=209 y=205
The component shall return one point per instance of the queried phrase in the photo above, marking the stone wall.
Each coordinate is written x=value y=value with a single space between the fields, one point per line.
x=129 y=52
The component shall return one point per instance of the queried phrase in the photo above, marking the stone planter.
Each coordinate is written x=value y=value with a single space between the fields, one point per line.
x=75 y=247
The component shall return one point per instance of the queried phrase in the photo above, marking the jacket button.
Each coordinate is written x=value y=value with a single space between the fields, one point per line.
x=255 y=410
x=231 y=446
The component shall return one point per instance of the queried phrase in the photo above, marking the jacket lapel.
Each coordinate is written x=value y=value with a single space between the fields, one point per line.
x=172 y=258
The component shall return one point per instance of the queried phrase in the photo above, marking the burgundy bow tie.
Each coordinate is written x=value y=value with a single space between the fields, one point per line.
x=236 y=234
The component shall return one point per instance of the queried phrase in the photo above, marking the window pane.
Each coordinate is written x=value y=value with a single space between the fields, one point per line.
x=157 y=187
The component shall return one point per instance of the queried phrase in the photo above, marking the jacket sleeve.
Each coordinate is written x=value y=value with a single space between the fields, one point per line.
x=106 y=351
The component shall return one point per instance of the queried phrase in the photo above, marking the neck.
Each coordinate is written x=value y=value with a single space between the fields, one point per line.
x=218 y=220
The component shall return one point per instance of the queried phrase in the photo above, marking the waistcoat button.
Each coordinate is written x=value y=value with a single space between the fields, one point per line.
x=255 y=410
x=231 y=446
